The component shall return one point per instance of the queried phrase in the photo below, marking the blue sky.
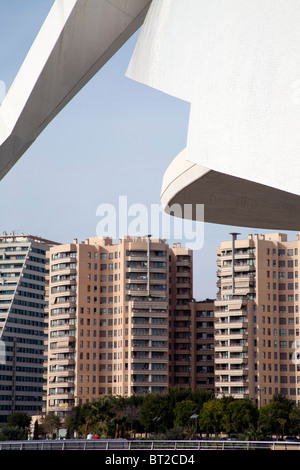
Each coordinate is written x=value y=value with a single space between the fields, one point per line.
x=116 y=138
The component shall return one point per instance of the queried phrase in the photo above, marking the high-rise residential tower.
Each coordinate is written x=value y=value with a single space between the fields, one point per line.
x=23 y=270
x=257 y=318
x=122 y=321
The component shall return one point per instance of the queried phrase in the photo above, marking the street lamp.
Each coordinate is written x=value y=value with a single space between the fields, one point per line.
x=156 y=420
x=194 y=418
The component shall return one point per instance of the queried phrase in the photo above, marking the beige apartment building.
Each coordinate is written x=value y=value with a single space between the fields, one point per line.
x=122 y=321
x=257 y=318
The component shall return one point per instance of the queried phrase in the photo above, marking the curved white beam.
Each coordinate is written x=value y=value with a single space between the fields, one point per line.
x=227 y=200
x=77 y=38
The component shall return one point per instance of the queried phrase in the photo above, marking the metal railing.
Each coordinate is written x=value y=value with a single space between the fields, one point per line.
x=150 y=445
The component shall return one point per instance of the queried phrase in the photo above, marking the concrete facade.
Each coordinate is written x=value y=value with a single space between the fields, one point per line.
x=23 y=272
x=236 y=65
x=243 y=140
x=227 y=199
x=122 y=321
x=257 y=318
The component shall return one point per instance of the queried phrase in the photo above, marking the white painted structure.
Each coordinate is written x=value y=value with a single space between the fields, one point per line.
x=236 y=61
x=77 y=38
x=227 y=200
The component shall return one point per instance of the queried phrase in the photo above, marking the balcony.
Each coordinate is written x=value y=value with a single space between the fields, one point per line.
x=141 y=257
x=137 y=269
x=63 y=408
x=67 y=344
x=148 y=314
x=224 y=350
x=160 y=337
x=64 y=287
x=185 y=261
x=184 y=272
x=62 y=396
x=66 y=383
x=62 y=362
x=139 y=379
x=228 y=380
x=228 y=335
x=159 y=305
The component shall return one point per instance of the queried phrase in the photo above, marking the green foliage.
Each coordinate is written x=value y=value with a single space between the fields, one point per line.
x=20 y=419
x=50 y=425
x=183 y=412
x=239 y=416
x=17 y=427
x=36 y=430
x=156 y=413
x=168 y=415
x=278 y=417
x=13 y=433
x=211 y=416
x=119 y=416
x=175 y=433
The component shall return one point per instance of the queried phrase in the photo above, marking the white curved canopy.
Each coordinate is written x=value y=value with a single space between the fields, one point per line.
x=226 y=199
x=238 y=63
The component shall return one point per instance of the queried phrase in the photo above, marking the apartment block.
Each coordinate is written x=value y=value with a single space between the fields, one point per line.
x=257 y=318
x=23 y=271
x=110 y=311
x=203 y=344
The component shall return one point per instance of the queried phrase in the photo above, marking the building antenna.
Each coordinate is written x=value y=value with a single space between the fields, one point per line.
x=234 y=237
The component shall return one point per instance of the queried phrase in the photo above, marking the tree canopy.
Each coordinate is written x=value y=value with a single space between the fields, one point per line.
x=176 y=415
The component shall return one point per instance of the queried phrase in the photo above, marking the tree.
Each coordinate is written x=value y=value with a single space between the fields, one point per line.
x=117 y=427
x=240 y=416
x=36 y=430
x=20 y=419
x=13 y=433
x=200 y=396
x=295 y=421
x=74 y=421
x=183 y=412
x=51 y=424
x=275 y=417
x=156 y=413
x=93 y=415
x=132 y=413
x=210 y=419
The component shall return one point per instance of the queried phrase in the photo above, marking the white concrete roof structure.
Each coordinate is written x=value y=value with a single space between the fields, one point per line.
x=238 y=64
x=227 y=200
x=77 y=38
